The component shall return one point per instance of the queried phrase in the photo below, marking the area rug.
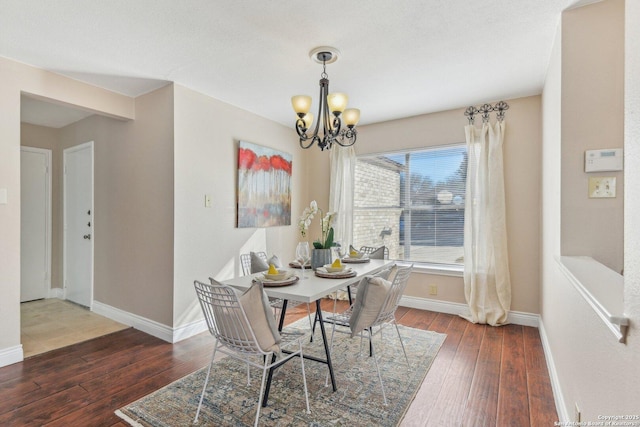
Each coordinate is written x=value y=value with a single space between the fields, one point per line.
x=357 y=402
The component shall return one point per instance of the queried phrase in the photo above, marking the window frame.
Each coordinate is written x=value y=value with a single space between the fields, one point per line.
x=425 y=267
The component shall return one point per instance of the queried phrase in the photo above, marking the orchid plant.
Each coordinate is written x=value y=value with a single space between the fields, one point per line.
x=326 y=241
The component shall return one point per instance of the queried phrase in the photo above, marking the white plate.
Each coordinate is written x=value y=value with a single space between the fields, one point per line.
x=288 y=281
x=347 y=272
x=356 y=260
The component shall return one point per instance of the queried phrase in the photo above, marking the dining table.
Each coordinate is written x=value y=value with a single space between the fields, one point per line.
x=310 y=289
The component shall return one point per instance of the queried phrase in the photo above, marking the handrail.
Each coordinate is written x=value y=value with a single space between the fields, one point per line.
x=601 y=287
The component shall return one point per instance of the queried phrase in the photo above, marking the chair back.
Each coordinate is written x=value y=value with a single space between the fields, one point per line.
x=245 y=262
x=226 y=318
x=392 y=300
x=367 y=250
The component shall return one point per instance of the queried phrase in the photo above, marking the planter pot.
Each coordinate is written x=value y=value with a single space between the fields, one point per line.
x=320 y=257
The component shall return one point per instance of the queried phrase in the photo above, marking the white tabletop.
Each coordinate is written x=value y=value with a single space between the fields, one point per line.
x=313 y=287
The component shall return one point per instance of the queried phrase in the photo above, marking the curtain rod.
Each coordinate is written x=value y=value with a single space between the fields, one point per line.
x=484 y=110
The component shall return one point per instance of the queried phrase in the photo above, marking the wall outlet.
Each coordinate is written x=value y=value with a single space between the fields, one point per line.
x=576 y=413
x=433 y=289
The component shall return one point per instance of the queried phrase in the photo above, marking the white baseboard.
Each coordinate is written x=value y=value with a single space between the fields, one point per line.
x=561 y=408
x=194 y=328
x=515 y=317
x=11 y=355
x=56 y=293
x=151 y=327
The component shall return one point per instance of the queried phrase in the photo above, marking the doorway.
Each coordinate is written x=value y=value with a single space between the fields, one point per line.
x=78 y=238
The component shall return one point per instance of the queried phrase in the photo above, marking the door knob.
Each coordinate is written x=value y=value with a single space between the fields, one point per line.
x=87 y=236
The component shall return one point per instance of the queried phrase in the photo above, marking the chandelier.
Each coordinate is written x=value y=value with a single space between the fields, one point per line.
x=332 y=106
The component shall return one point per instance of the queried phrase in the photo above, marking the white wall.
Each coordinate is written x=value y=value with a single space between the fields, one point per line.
x=588 y=366
x=632 y=170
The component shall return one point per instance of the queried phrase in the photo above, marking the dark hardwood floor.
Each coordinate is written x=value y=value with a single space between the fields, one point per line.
x=482 y=376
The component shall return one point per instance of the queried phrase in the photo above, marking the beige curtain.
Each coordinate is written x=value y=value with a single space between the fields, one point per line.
x=487 y=284
x=341 y=190
x=343 y=170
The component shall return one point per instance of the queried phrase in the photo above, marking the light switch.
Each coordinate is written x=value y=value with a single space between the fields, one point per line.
x=207 y=200
x=3 y=196
x=602 y=186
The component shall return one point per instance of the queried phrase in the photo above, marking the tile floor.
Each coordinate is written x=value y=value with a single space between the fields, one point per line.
x=53 y=323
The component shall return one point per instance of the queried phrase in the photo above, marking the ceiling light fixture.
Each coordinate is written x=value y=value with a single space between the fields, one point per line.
x=330 y=103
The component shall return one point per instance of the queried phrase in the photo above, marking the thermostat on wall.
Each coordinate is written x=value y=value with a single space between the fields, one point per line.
x=603 y=160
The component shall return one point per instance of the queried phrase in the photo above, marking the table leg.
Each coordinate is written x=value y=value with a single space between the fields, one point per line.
x=283 y=311
x=326 y=349
x=326 y=344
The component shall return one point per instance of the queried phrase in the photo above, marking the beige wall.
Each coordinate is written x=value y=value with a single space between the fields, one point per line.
x=592 y=118
x=17 y=78
x=207 y=242
x=589 y=367
x=133 y=218
x=522 y=177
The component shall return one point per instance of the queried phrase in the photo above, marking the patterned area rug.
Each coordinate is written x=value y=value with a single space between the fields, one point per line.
x=357 y=402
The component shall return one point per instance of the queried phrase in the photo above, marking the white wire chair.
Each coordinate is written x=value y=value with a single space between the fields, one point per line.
x=228 y=323
x=384 y=317
x=276 y=303
x=368 y=250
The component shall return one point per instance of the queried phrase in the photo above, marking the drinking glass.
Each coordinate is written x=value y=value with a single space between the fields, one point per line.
x=303 y=255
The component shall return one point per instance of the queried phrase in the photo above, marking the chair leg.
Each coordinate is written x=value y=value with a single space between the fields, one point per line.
x=402 y=344
x=384 y=397
x=264 y=374
x=304 y=377
x=206 y=380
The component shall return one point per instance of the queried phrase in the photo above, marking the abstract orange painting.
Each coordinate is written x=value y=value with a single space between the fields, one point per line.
x=264 y=186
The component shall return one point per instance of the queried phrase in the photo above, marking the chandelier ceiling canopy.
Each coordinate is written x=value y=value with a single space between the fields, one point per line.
x=332 y=110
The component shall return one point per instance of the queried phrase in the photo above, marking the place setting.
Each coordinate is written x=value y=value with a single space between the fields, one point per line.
x=276 y=277
x=355 y=257
x=336 y=270
x=296 y=264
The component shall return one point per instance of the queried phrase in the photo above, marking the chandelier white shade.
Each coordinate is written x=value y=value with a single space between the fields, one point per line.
x=332 y=107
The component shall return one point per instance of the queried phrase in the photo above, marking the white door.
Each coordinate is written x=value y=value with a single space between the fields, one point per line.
x=35 y=223
x=78 y=224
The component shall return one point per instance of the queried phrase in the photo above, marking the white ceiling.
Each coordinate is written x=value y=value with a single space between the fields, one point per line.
x=398 y=58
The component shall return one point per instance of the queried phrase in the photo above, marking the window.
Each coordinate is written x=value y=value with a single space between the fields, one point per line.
x=412 y=202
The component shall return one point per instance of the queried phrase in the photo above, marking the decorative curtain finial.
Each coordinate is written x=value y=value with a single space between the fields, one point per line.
x=484 y=110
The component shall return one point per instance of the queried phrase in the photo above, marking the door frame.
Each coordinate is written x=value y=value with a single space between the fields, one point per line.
x=65 y=152
x=48 y=213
